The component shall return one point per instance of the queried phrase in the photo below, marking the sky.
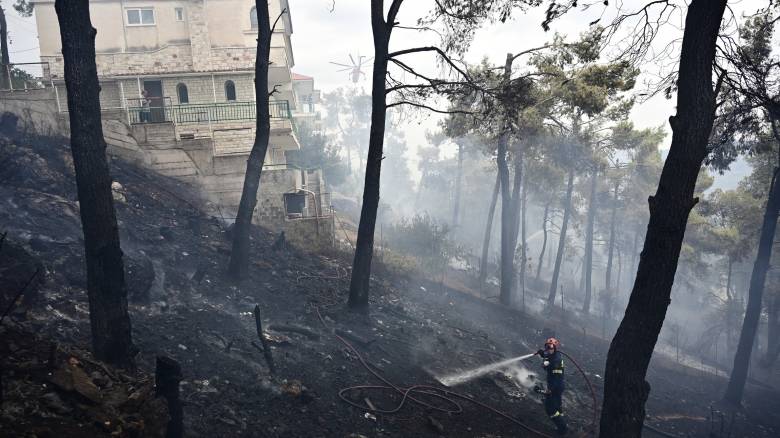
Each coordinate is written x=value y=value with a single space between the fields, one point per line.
x=328 y=31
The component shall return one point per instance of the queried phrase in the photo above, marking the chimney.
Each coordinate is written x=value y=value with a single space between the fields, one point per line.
x=199 y=35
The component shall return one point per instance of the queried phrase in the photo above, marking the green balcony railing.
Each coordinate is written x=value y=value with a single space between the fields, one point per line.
x=160 y=111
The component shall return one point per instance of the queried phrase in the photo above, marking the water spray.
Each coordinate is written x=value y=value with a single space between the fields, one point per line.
x=463 y=377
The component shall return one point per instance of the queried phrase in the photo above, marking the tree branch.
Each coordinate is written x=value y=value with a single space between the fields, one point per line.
x=430 y=49
x=420 y=105
x=393 y=12
x=273 y=28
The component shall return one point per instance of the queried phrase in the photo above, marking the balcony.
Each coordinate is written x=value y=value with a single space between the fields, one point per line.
x=160 y=110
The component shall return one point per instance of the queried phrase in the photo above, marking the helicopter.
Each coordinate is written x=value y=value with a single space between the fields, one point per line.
x=356 y=69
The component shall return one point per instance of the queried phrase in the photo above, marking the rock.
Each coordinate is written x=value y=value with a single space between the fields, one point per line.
x=99 y=379
x=71 y=378
x=166 y=233
x=435 y=424
x=118 y=192
x=16 y=268
x=76 y=272
x=140 y=278
x=53 y=401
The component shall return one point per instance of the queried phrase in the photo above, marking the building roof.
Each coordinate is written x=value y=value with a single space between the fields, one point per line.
x=300 y=77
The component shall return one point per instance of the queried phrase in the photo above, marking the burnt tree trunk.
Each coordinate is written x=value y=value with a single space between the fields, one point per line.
x=458 y=179
x=364 y=248
x=106 y=289
x=611 y=250
x=483 y=262
x=729 y=308
x=739 y=372
x=239 y=256
x=588 y=268
x=523 y=251
x=544 y=241
x=625 y=388
x=510 y=224
x=561 y=240
x=510 y=200
x=773 y=331
x=634 y=251
x=5 y=58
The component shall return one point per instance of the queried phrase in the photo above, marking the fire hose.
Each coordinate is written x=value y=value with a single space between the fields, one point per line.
x=413 y=393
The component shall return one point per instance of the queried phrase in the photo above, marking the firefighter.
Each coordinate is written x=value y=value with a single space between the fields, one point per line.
x=552 y=362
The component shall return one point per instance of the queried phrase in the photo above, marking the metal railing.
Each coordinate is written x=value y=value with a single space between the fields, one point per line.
x=161 y=110
x=24 y=76
x=317 y=205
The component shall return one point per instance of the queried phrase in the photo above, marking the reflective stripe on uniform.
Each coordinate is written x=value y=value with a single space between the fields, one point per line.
x=556 y=414
x=557 y=371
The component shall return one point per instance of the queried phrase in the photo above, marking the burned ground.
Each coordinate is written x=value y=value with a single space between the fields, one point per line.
x=176 y=249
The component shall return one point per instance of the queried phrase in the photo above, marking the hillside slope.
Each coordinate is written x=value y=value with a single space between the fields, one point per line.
x=176 y=248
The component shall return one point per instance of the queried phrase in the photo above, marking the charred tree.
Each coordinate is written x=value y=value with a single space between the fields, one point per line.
x=544 y=241
x=510 y=202
x=625 y=388
x=364 y=248
x=773 y=332
x=561 y=240
x=458 y=179
x=239 y=256
x=483 y=263
x=5 y=59
x=588 y=268
x=611 y=249
x=510 y=198
x=524 y=243
x=106 y=289
x=739 y=372
x=635 y=249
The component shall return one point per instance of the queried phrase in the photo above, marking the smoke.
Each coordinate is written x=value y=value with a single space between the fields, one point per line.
x=521 y=375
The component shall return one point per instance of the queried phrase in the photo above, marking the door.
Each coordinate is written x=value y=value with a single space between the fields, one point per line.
x=157 y=103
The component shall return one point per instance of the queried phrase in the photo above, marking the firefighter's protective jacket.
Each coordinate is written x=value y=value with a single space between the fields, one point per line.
x=554 y=368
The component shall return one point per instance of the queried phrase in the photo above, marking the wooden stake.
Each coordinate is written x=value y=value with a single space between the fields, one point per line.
x=266 y=349
x=166 y=378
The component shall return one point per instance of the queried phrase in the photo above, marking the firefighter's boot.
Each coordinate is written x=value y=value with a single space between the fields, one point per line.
x=560 y=424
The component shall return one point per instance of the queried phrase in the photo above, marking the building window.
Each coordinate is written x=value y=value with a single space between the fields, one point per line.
x=230 y=91
x=179 y=12
x=140 y=17
x=253 y=17
x=181 y=91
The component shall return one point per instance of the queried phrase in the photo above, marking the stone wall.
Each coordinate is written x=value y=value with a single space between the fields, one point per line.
x=175 y=58
x=310 y=232
x=155 y=146
x=36 y=109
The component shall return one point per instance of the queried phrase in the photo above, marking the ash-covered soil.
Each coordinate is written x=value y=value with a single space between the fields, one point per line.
x=176 y=249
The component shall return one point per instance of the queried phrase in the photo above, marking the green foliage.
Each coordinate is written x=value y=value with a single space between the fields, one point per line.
x=23 y=7
x=422 y=237
x=462 y=18
x=751 y=89
x=318 y=152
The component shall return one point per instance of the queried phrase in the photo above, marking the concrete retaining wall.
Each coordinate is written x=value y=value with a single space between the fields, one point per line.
x=36 y=109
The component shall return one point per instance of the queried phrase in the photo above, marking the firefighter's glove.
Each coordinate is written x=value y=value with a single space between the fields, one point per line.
x=546 y=363
x=540 y=352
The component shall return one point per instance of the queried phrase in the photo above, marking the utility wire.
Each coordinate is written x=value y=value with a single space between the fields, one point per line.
x=25 y=50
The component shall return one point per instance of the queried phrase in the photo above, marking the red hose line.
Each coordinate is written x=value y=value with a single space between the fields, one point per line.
x=594 y=420
x=432 y=391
